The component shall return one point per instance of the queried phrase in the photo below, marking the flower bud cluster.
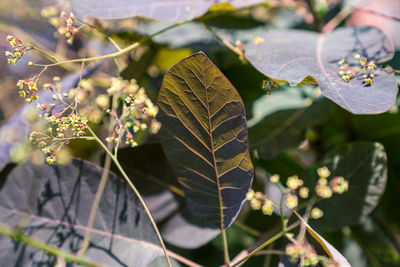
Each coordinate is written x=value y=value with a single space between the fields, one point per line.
x=295 y=188
x=66 y=25
x=18 y=49
x=259 y=201
x=306 y=254
x=363 y=68
x=138 y=111
x=325 y=189
x=28 y=90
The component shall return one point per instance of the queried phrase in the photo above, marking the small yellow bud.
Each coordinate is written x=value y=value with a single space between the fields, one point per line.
x=323 y=172
x=368 y=81
x=357 y=56
x=316 y=213
x=30 y=63
x=341 y=62
x=346 y=78
x=250 y=195
x=291 y=201
x=304 y=192
x=267 y=208
x=274 y=178
x=258 y=40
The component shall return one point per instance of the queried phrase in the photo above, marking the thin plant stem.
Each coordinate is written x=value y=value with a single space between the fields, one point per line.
x=95 y=204
x=44 y=52
x=247 y=229
x=266 y=243
x=223 y=41
x=118 y=53
x=225 y=245
x=117 y=164
x=18 y=236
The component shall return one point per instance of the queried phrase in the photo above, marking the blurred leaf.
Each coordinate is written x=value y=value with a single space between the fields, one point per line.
x=378 y=249
x=149 y=170
x=163 y=10
x=181 y=233
x=204 y=136
x=55 y=202
x=303 y=57
x=328 y=248
x=364 y=165
x=378 y=14
x=281 y=99
x=286 y=128
x=166 y=58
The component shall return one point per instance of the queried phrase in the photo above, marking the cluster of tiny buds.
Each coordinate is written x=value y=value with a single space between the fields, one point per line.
x=66 y=24
x=61 y=130
x=28 y=90
x=259 y=201
x=348 y=71
x=298 y=250
x=295 y=187
x=18 y=49
x=325 y=189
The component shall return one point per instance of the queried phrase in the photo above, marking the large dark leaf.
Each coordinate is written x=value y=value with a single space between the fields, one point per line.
x=376 y=244
x=204 y=136
x=286 y=128
x=363 y=164
x=56 y=202
x=299 y=56
x=179 y=232
x=164 y=10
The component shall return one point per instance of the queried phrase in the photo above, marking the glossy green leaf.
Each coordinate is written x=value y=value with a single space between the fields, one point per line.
x=286 y=128
x=304 y=57
x=163 y=10
x=364 y=165
x=204 y=136
x=55 y=202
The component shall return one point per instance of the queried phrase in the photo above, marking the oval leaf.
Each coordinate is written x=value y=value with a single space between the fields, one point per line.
x=204 y=136
x=59 y=200
x=285 y=129
x=303 y=57
x=364 y=165
x=164 y=10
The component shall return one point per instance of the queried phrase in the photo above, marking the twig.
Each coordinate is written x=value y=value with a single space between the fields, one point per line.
x=266 y=243
x=117 y=164
x=16 y=235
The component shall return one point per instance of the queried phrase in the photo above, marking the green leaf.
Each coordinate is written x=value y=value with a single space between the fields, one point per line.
x=303 y=57
x=286 y=128
x=377 y=247
x=55 y=203
x=179 y=232
x=204 y=136
x=163 y=10
x=364 y=165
